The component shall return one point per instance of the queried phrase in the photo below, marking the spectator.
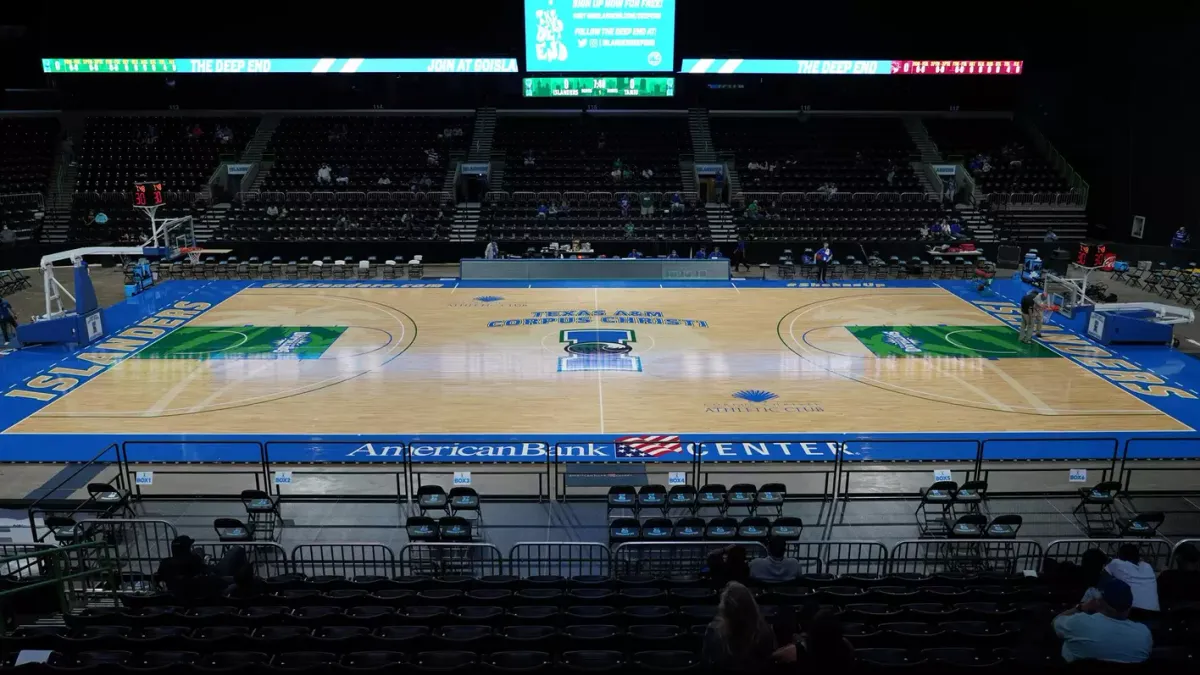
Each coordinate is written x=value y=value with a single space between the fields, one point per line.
x=180 y=572
x=1050 y=237
x=151 y=134
x=1100 y=629
x=925 y=231
x=8 y=319
x=673 y=255
x=647 y=204
x=542 y=211
x=891 y=177
x=701 y=253
x=283 y=213
x=224 y=135
x=529 y=160
x=1182 y=584
x=738 y=639
x=676 y=203
x=626 y=174
x=7 y=236
x=431 y=157
x=617 y=163
x=68 y=149
x=245 y=585
x=196 y=131
x=647 y=173
x=716 y=254
x=600 y=142
x=343 y=177
x=426 y=183
x=1138 y=575
x=776 y=567
x=384 y=180
x=629 y=230
x=554 y=209
x=324 y=175
x=726 y=564
x=1180 y=238
x=272 y=212
x=616 y=175
x=821 y=648
x=624 y=204
x=634 y=254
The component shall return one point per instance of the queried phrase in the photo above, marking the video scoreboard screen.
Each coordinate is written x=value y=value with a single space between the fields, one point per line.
x=624 y=36
x=580 y=87
x=848 y=67
x=238 y=66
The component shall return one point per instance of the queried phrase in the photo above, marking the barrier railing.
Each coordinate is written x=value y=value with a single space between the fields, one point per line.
x=840 y=557
x=17 y=568
x=931 y=556
x=73 y=585
x=1156 y=552
x=41 y=508
x=348 y=560
x=1175 y=550
x=566 y=558
x=673 y=557
x=267 y=558
x=138 y=545
x=442 y=559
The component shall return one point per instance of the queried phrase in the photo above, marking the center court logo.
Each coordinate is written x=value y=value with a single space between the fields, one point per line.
x=902 y=341
x=761 y=401
x=592 y=349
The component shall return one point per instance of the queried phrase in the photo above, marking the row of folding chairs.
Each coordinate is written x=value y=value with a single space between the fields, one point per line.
x=724 y=528
x=687 y=498
x=12 y=281
x=1181 y=285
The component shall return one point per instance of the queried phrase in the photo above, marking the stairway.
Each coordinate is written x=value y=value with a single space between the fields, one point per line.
x=496 y=177
x=483 y=135
x=731 y=173
x=466 y=222
x=923 y=176
x=56 y=223
x=978 y=222
x=703 y=149
x=687 y=173
x=210 y=222
x=720 y=223
x=253 y=151
x=920 y=138
x=456 y=157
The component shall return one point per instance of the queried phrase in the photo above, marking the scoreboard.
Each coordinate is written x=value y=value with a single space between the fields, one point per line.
x=581 y=36
x=579 y=87
x=242 y=66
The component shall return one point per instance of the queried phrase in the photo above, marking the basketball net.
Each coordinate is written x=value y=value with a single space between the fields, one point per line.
x=193 y=254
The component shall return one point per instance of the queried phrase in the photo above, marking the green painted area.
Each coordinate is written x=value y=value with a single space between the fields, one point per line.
x=244 y=342
x=976 y=342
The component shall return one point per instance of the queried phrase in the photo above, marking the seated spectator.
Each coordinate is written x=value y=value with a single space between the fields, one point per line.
x=891 y=177
x=626 y=174
x=752 y=210
x=426 y=183
x=324 y=175
x=343 y=177
x=634 y=254
x=617 y=163
x=701 y=253
x=624 y=204
x=184 y=573
x=956 y=231
x=272 y=211
x=925 y=231
x=1138 y=574
x=431 y=157
x=616 y=175
x=384 y=180
x=821 y=648
x=7 y=236
x=776 y=567
x=647 y=204
x=738 y=639
x=245 y=585
x=342 y=220
x=406 y=218
x=1180 y=238
x=1100 y=629
x=542 y=211
x=716 y=254
x=1050 y=237
x=676 y=203
x=600 y=142
x=564 y=208
x=283 y=213
x=673 y=254
x=529 y=160
x=553 y=209
x=629 y=230
x=197 y=132
x=1182 y=584
x=151 y=134
x=647 y=173
x=224 y=135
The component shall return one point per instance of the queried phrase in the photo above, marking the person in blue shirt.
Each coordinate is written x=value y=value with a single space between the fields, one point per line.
x=1180 y=239
x=634 y=254
x=8 y=319
x=701 y=253
x=672 y=255
x=823 y=256
x=738 y=257
x=676 y=203
x=716 y=253
x=1100 y=630
x=542 y=211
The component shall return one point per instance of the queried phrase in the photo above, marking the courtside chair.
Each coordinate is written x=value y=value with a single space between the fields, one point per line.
x=742 y=496
x=787 y=528
x=721 y=529
x=1144 y=524
x=712 y=496
x=421 y=529
x=651 y=498
x=681 y=497
x=1097 y=508
x=232 y=530
x=432 y=498
x=263 y=514
x=455 y=529
x=112 y=501
x=971 y=496
x=657 y=529
x=623 y=530
x=754 y=528
x=690 y=528
x=937 y=502
x=465 y=499
x=622 y=498
x=771 y=496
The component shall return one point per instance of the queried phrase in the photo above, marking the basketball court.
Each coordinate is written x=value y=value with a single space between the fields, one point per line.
x=312 y=359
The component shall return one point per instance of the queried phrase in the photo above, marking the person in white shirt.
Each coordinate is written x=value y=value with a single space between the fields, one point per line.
x=384 y=180
x=1130 y=568
x=776 y=567
x=272 y=211
x=324 y=175
x=492 y=251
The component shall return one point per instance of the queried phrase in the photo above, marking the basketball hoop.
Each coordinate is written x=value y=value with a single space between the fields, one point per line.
x=193 y=254
x=1049 y=312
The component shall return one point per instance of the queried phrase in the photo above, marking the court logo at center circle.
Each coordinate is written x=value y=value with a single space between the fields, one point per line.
x=598 y=349
x=488 y=298
x=761 y=401
x=755 y=395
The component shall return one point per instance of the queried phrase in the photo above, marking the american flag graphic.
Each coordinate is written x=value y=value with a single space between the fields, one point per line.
x=647 y=446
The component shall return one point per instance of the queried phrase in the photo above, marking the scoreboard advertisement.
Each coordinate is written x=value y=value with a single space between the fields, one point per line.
x=627 y=36
x=581 y=87
x=848 y=67
x=238 y=66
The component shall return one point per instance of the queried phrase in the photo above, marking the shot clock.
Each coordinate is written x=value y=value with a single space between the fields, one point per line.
x=147 y=193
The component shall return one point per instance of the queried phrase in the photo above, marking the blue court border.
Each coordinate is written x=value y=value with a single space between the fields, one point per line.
x=1177 y=371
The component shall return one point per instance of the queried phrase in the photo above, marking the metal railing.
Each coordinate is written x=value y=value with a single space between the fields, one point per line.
x=1156 y=552
x=673 y=557
x=840 y=557
x=59 y=568
x=565 y=558
x=1035 y=200
x=374 y=196
x=446 y=559
x=139 y=545
x=932 y=556
x=348 y=560
x=268 y=559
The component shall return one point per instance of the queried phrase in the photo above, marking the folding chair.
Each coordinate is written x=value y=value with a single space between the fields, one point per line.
x=742 y=496
x=771 y=496
x=455 y=529
x=1097 y=505
x=624 y=530
x=712 y=496
x=262 y=512
x=1003 y=527
x=721 y=529
x=622 y=498
x=421 y=528
x=681 y=497
x=940 y=498
x=432 y=498
x=787 y=528
x=464 y=499
x=232 y=530
x=113 y=500
x=972 y=495
x=1143 y=525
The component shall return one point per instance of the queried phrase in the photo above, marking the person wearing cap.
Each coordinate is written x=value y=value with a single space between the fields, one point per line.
x=1100 y=629
x=179 y=571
